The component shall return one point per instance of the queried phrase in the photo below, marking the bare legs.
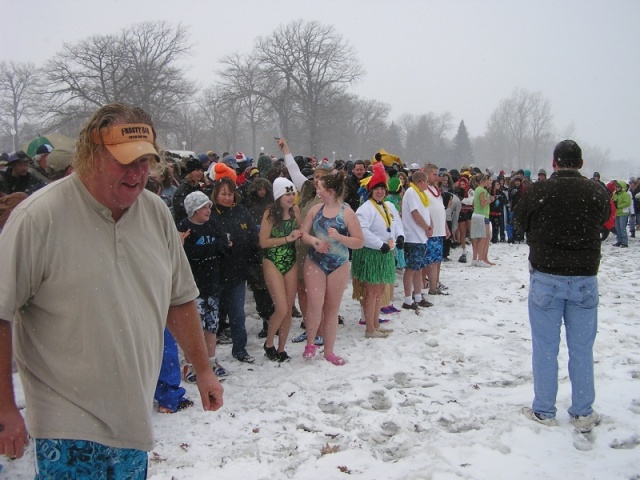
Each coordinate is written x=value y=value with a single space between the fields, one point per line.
x=282 y=289
x=324 y=294
x=486 y=244
x=372 y=303
x=433 y=274
x=412 y=282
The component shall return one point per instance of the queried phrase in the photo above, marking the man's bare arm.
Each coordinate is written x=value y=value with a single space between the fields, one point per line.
x=13 y=432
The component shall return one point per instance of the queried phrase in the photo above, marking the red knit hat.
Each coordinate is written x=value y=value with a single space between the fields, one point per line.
x=378 y=178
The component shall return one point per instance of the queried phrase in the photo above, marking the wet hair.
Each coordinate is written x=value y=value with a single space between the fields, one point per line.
x=224 y=182
x=567 y=154
x=276 y=213
x=334 y=182
x=85 y=161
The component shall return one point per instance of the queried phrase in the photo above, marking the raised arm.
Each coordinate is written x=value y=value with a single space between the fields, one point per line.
x=296 y=175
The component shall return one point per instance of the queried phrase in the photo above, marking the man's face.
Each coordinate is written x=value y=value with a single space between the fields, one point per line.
x=432 y=177
x=118 y=186
x=358 y=171
x=20 y=168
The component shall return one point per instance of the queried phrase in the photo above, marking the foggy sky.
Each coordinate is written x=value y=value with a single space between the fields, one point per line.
x=420 y=56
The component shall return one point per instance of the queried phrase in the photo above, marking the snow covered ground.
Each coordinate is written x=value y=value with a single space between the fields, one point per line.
x=439 y=399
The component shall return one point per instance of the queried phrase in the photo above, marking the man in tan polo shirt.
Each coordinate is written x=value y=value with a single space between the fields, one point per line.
x=91 y=271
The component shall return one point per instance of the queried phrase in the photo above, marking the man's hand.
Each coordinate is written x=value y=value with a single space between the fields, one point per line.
x=13 y=433
x=210 y=390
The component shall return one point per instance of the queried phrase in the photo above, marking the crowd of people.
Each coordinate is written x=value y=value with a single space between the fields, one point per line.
x=289 y=228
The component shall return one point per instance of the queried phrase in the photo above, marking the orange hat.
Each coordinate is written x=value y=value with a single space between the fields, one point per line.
x=222 y=170
x=126 y=142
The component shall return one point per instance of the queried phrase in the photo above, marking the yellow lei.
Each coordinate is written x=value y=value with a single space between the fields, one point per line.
x=386 y=214
x=423 y=196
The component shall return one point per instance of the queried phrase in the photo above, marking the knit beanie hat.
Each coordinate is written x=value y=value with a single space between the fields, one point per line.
x=222 y=170
x=195 y=201
x=378 y=178
x=282 y=186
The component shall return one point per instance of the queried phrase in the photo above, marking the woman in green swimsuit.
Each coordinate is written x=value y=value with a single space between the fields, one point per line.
x=278 y=234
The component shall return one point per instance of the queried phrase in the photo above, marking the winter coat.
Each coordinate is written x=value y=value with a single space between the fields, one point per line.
x=204 y=247
x=622 y=200
x=245 y=251
x=563 y=218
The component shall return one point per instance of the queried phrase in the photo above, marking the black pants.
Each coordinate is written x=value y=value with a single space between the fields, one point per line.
x=497 y=228
x=446 y=249
x=255 y=281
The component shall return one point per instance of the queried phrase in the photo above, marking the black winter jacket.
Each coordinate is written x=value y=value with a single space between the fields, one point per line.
x=563 y=217
x=245 y=250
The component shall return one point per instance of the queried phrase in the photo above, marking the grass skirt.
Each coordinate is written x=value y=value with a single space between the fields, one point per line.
x=373 y=267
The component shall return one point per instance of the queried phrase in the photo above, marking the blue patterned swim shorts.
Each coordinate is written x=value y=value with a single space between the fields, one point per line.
x=415 y=255
x=84 y=460
x=435 y=246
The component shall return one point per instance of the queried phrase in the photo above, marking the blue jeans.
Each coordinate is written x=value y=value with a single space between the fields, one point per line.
x=83 y=460
x=621 y=229
x=553 y=298
x=168 y=390
x=232 y=304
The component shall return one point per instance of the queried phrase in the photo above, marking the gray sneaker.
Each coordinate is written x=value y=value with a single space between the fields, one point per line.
x=531 y=415
x=585 y=423
x=223 y=339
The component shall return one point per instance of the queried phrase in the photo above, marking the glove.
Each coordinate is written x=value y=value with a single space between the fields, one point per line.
x=385 y=248
x=400 y=242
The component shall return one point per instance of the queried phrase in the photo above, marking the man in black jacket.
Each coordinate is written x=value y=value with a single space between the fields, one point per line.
x=562 y=218
x=17 y=177
x=352 y=182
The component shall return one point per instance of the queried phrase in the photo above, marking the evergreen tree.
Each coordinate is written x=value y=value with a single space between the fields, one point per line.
x=462 y=151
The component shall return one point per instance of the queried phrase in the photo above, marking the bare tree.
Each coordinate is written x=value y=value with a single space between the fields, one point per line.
x=189 y=127
x=370 y=120
x=157 y=84
x=222 y=118
x=524 y=121
x=243 y=84
x=18 y=85
x=541 y=124
x=138 y=66
x=315 y=60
